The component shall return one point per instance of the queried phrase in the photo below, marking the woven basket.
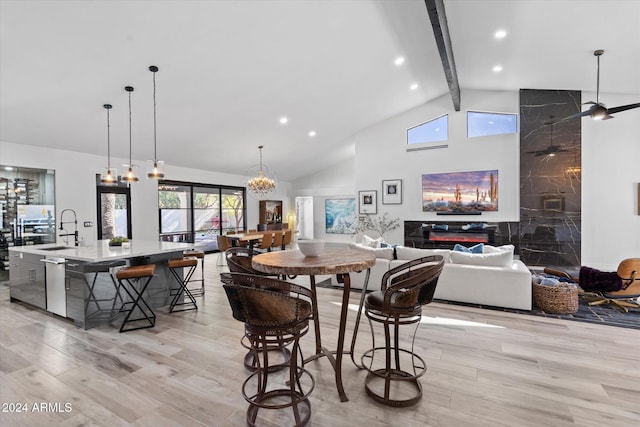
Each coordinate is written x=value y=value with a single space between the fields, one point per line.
x=561 y=299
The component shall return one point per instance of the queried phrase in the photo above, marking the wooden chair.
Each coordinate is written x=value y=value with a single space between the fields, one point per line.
x=267 y=240
x=277 y=240
x=223 y=245
x=628 y=272
x=286 y=239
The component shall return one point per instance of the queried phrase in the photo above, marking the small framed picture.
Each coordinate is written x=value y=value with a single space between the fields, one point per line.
x=392 y=192
x=368 y=202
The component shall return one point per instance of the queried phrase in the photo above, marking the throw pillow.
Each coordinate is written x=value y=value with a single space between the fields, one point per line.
x=498 y=259
x=477 y=249
x=405 y=253
x=384 y=253
x=488 y=249
x=372 y=243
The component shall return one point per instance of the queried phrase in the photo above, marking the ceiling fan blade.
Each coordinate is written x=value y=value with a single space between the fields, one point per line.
x=622 y=108
x=580 y=114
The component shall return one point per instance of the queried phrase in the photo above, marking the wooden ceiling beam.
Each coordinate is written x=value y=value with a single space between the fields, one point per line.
x=438 y=18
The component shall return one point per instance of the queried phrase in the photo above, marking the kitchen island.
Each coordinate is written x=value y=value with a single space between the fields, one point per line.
x=62 y=280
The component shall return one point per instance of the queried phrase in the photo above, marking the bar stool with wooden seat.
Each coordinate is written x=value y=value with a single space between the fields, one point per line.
x=404 y=290
x=139 y=273
x=274 y=313
x=199 y=255
x=178 y=300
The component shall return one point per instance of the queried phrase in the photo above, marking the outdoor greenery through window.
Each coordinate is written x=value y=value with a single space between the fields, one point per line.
x=197 y=213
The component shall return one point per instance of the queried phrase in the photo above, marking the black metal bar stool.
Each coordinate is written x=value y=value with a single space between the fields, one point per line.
x=200 y=256
x=98 y=268
x=139 y=273
x=275 y=313
x=404 y=290
x=178 y=300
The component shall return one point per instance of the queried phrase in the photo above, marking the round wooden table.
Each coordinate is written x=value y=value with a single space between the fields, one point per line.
x=332 y=260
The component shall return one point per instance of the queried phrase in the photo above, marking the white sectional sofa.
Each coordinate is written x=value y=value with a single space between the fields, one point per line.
x=491 y=278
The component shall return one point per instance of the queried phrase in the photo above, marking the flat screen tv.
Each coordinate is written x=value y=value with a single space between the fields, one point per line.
x=460 y=192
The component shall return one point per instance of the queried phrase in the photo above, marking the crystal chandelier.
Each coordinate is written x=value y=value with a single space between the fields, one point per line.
x=261 y=185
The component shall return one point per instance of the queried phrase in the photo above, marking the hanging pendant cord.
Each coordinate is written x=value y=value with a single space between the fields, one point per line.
x=598 y=82
x=108 y=142
x=130 y=163
x=155 y=149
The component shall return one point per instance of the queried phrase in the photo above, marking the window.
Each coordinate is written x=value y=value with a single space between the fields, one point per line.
x=114 y=210
x=484 y=124
x=428 y=132
x=197 y=213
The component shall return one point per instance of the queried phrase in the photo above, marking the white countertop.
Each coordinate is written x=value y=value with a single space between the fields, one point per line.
x=101 y=251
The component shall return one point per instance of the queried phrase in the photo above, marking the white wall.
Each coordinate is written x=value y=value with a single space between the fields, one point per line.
x=610 y=175
x=76 y=188
x=610 y=179
x=334 y=182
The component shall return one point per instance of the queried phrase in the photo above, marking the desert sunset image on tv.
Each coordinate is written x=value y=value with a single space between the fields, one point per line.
x=460 y=192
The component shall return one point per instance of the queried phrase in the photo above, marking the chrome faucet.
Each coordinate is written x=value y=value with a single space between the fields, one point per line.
x=75 y=222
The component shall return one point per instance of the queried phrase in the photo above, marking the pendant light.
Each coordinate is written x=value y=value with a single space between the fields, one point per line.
x=110 y=175
x=261 y=185
x=155 y=167
x=130 y=176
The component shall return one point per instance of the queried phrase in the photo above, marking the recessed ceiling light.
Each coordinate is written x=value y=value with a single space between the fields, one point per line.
x=312 y=133
x=500 y=34
x=414 y=86
x=497 y=68
x=283 y=120
x=399 y=61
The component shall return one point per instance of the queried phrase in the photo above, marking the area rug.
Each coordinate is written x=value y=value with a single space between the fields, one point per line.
x=605 y=314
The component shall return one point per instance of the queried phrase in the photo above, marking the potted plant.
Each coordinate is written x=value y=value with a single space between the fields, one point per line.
x=379 y=224
x=117 y=241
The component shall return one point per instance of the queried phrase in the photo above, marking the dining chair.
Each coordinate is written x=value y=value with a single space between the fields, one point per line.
x=223 y=245
x=267 y=240
x=286 y=239
x=277 y=240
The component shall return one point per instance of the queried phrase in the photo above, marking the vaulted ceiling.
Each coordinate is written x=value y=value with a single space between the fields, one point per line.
x=230 y=70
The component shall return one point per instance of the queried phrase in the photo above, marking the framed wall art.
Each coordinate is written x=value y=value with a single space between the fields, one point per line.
x=392 y=192
x=460 y=192
x=340 y=216
x=368 y=202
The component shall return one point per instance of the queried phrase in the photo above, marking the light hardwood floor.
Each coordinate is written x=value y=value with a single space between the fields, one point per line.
x=485 y=368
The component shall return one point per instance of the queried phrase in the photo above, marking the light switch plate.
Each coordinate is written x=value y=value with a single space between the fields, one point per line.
x=88 y=224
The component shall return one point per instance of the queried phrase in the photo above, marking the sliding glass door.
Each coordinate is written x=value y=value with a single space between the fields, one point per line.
x=197 y=213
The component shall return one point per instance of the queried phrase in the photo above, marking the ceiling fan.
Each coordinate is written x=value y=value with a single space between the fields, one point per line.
x=551 y=150
x=598 y=111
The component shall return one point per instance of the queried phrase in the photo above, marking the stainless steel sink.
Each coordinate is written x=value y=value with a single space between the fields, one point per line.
x=57 y=248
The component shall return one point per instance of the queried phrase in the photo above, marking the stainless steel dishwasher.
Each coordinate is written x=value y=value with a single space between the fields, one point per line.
x=56 y=294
